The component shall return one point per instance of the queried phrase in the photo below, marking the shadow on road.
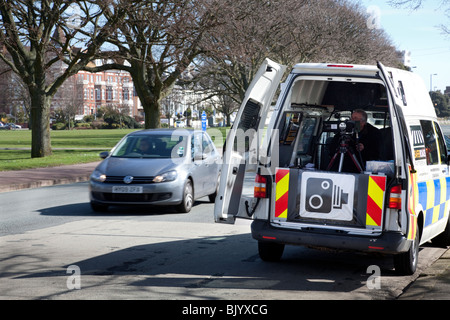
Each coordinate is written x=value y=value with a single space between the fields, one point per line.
x=83 y=209
x=228 y=262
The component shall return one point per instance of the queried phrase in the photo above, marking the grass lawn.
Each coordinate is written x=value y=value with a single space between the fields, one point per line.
x=69 y=147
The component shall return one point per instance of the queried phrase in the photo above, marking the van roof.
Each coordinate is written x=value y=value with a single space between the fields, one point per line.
x=335 y=69
x=417 y=98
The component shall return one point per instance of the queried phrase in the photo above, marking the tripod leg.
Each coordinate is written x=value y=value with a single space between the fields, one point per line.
x=355 y=161
x=330 y=165
x=341 y=162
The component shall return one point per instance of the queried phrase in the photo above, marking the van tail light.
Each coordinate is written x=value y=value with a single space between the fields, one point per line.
x=395 y=200
x=260 y=190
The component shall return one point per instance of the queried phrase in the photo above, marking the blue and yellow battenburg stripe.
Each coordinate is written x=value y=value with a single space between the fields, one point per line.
x=434 y=196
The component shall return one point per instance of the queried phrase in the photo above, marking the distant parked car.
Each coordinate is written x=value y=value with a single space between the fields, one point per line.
x=5 y=126
x=157 y=167
x=179 y=124
x=13 y=126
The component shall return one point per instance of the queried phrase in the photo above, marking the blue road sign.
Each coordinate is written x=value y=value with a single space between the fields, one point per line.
x=203 y=121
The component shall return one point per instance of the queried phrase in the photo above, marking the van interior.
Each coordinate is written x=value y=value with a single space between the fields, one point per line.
x=319 y=111
x=316 y=133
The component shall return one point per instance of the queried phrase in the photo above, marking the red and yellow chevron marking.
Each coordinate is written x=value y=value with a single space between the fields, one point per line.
x=375 y=197
x=413 y=200
x=282 y=188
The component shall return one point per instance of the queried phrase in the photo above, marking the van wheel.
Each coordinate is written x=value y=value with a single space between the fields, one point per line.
x=443 y=239
x=269 y=251
x=188 y=198
x=406 y=263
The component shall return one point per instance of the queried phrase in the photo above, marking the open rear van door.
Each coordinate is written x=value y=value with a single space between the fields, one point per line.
x=243 y=139
x=397 y=96
x=405 y=262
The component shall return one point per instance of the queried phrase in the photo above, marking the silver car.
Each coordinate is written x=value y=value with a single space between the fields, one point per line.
x=157 y=167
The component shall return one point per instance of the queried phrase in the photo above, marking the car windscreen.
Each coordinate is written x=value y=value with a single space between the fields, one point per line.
x=151 y=146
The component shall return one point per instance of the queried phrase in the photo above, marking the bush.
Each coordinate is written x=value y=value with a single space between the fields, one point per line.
x=89 y=118
x=115 y=120
x=59 y=126
x=82 y=125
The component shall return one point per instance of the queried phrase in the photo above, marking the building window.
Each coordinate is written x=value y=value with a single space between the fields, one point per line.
x=109 y=93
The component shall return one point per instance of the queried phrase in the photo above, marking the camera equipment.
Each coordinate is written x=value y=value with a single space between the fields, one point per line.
x=343 y=127
x=346 y=130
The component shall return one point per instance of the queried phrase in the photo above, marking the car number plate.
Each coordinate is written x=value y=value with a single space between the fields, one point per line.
x=127 y=189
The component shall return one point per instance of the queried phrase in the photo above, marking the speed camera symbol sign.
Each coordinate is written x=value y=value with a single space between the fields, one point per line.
x=327 y=197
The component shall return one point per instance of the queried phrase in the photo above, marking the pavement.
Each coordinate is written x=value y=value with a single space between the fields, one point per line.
x=43 y=177
x=431 y=284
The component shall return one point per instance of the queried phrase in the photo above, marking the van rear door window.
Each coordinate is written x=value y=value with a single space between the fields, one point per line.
x=441 y=144
x=290 y=127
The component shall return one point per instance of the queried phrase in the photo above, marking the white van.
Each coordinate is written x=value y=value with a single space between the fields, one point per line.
x=305 y=180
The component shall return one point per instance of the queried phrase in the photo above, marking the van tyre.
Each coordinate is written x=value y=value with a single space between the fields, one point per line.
x=443 y=239
x=269 y=251
x=406 y=263
x=188 y=198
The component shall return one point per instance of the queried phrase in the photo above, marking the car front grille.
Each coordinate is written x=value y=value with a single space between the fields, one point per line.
x=120 y=197
x=136 y=180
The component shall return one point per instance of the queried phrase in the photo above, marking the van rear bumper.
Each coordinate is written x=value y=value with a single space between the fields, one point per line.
x=388 y=242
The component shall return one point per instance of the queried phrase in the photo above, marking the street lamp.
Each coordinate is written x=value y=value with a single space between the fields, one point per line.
x=431 y=81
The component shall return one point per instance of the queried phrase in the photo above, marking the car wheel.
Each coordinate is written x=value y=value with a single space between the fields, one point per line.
x=97 y=207
x=406 y=263
x=188 y=198
x=269 y=251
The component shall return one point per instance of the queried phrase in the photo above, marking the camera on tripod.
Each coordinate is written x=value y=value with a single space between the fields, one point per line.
x=347 y=127
x=348 y=135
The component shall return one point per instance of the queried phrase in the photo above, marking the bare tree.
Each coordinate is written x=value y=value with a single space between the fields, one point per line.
x=288 y=31
x=159 y=41
x=68 y=102
x=14 y=92
x=39 y=37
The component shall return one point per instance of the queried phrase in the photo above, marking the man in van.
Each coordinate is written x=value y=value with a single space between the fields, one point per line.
x=369 y=137
x=365 y=148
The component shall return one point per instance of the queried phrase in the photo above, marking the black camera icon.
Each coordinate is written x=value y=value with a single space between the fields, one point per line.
x=322 y=195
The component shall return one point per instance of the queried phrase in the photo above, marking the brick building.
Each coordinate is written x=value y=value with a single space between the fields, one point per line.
x=93 y=90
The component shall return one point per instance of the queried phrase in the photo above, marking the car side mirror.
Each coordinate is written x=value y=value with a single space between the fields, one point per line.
x=104 y=154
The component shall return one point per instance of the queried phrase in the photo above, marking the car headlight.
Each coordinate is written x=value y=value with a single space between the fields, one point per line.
x=167 y=176
x=98 y=176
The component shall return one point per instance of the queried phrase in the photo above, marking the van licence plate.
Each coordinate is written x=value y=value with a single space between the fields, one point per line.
x=127 y=189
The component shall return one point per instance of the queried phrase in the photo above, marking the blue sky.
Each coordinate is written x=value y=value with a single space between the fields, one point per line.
x=418 y=32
